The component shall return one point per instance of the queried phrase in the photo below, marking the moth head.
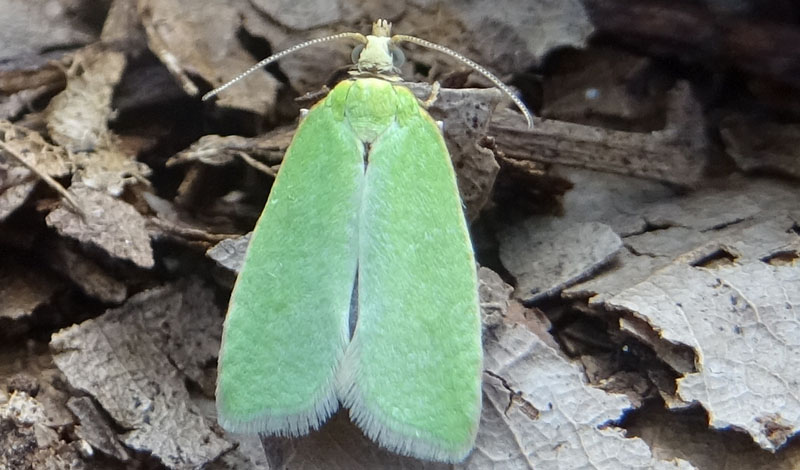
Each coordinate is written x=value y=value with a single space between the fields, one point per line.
x=378 y=54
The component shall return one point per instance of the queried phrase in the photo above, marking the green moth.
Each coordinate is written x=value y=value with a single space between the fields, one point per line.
x=364 y=215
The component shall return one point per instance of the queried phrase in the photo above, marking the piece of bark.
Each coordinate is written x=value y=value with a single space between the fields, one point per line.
x=111 y=225
x=32 y=72
x=603 y=85
x=697 y=34
x=675 y=155
x=28 y=442
x=134 y=360
x=90 y=277
x=17 y=180
x=745 y=216
x=739 y=321
x=23 y=289
x=546 y=255
x=94 y=429
x=30 y=28
x=175 y=223
x=202 y=41
x=29 y=368
x=11 y=107
x=24 y=80
x=758 y=145
x=77 y=118
x=218 y=150
x=495 y=297
x=540 y=412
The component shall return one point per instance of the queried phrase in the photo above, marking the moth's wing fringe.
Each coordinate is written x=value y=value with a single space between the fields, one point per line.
x=326 y=403
x=394 y=436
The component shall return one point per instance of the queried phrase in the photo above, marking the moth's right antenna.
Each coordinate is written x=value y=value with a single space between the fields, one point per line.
x=475 y=66
x=356 y=36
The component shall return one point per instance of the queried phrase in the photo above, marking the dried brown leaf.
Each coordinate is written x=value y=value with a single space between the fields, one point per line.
x=230 y=253
x=539 y=412
x=29 y=28
x=676 y=154
x=302 y=15
x=90 y=277
x=218 y=150
x=27 y=439
x=94 y=429
x=23 y=288
x=494 y=297
x=546 y=254
x=109 y=224
x=740 y=321
x=604 y=84
x=109 y=168
x=517 y=33
x=202 y=41
x=686 y=435
x=77 y=118
x=746 y=221
x=17 y=180
x=756 y=144
x=134 y=360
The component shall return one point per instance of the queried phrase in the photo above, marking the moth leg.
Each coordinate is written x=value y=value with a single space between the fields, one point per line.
x=434 y=95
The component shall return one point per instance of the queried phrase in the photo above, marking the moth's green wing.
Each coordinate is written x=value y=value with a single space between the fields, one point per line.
x=412 y=373
x=288 y=320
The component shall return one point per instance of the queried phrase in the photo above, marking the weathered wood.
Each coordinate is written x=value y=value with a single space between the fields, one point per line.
x=695 y=33
x=674 y=155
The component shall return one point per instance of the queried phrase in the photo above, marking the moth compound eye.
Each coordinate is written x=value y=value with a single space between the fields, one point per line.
x=398 y=58
x=356 y=53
